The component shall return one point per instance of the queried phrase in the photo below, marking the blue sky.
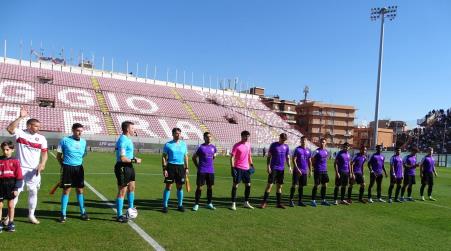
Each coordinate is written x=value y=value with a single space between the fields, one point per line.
x=332 y=46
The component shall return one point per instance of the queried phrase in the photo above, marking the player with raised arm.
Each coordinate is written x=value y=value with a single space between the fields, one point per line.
x=302 y=168
x=357 y=174
x=124 y=170
x=427 y=172
x=376 y=166
x=396 y=175
x=319 y=161
x=203 y=159
x=32 y=154
x=278 y=155
x=175 y=168
x=70 y=153
x=240 y=165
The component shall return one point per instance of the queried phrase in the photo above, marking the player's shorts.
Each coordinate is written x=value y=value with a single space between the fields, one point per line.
x=428 y=179
x=6 y=189
x=320 y=178
x=240 y=175
x=205 y=178
x=409 y=180
x=276 y=177
x=125 y=173
x=72 y=176
x=298 y=179
x=343 y=180
x=396 y=180
x=358 y=179
x=176 y=173
x=30 y=179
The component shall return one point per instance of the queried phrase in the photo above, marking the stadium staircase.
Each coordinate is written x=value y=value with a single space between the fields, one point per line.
x=194 y=117
x=255 y=116
x=111 y=129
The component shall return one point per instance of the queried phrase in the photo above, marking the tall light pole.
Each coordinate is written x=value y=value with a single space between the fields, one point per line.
x=382 y=13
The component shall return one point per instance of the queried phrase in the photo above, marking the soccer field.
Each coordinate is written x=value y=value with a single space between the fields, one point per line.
x=411 y=225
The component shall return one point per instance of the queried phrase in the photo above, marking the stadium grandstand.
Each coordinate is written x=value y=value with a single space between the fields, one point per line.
x=60 y=95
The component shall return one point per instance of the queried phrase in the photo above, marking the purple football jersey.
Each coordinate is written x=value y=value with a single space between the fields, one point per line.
x=428 y=164
x=320 y=158
x=206 y=155
x=279 y=153
x=396 y=162
x=343 y=159
x=377 y=163
x=410 y=160
x=302 y=158
x=359 y=160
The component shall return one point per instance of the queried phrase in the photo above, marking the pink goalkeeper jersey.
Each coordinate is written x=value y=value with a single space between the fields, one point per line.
x=241 y=152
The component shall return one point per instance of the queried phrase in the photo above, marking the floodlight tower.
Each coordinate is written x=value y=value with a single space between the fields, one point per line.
x=382 y=13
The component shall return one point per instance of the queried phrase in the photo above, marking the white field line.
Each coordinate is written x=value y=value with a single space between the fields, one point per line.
x=133 y=225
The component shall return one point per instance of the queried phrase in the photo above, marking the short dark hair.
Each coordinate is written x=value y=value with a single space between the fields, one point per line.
x=176 y=129
x=346 y=144
x=379 y=146
x=125 y=125
x=8 y=143
x=245 y=133
x=397 y=148
x=31 y=121
x=206 y=133
x=283 y=136
x=321 y=139
x=414 y=149
x=362 y=146
x=303 y=137
x=76 y=126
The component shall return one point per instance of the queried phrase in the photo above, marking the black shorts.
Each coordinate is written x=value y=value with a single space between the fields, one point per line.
x=409 y=180
x=205 y=178
x=358 y=179
x=298 y=179
x=428 y=179
x=396 y=180
x=176 y=173
x=276 y=177
x=7 y=189
x=343 y=180
x=125 y=173
x=72 y=176
x=240 y=175
x=320 y=178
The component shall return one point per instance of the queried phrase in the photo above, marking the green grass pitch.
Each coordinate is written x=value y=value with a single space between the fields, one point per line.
x=414 y=225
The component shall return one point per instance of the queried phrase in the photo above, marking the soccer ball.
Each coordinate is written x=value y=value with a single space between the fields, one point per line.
x=131 y=213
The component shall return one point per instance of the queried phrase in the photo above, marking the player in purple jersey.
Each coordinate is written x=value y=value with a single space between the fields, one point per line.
x=342 y=167
x=427 y=172
x=278 y=155
x=319 y=161
x=302 y=167
x=410 y=164
x=203 y=160
x=396 y=175
x=376 y=166
x=357 y=174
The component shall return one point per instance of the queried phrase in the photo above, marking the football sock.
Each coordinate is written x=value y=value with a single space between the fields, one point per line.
x=131 y=199
x=197 y=196
x=209 y=195
x=335 y=193
x=343 y=192
x=180 y=197
x=349 y=192
x=292 y=192
x=64 y=202
x=323 y=192
x=81 y=203
x=233 y=194
x=265 y=197
x=422 y=189
x=166 y=195
x=430 y=190
x=279 y=198
x=119 y=206
x=32 y=201
x=314 y=191
x=247 y=192
x=301 y=192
